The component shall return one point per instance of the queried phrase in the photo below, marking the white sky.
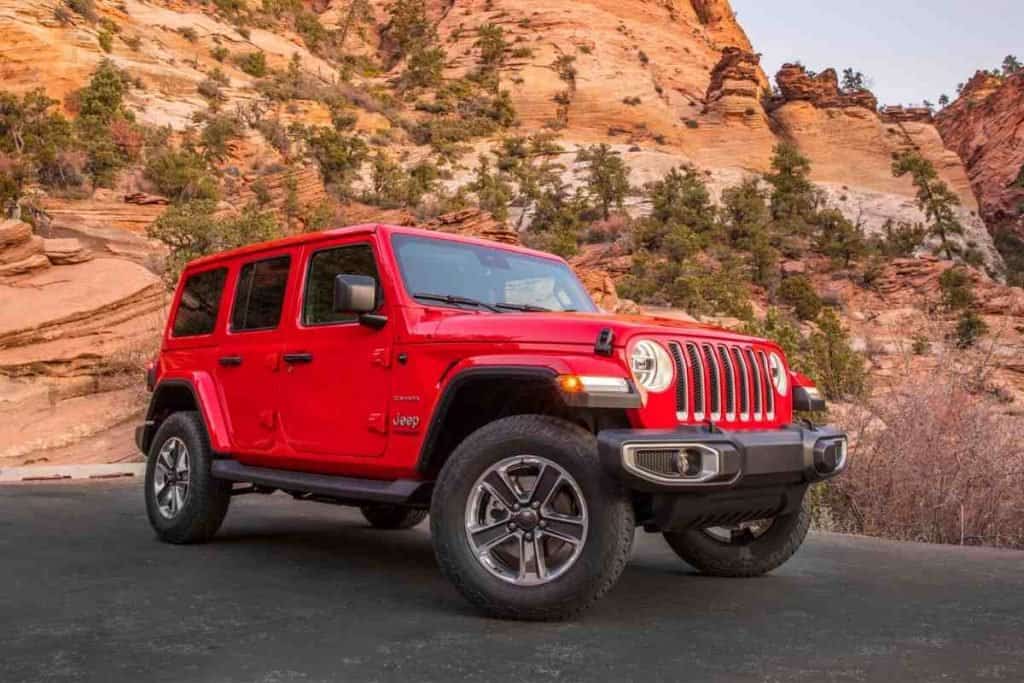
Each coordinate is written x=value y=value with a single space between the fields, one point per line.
x=911 y=50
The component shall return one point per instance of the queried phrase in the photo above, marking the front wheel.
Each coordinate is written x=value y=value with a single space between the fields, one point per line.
x=526 y=524
x=743 y=550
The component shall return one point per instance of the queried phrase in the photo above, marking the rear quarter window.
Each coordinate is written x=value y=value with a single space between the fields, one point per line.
x=199 y=304
x=260 y=294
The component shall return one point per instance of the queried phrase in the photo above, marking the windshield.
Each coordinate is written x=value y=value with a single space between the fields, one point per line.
x=466 y=275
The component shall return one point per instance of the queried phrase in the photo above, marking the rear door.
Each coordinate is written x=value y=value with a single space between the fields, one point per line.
x=336 y=376
x=249 y=363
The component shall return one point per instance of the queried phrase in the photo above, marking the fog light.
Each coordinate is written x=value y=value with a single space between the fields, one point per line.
x=830 y=456
x=689 y=463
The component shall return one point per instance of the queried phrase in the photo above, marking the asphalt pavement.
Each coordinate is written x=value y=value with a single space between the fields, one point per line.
x=293 y=591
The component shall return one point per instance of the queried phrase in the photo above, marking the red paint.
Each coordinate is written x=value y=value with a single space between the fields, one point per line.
x=357 y=410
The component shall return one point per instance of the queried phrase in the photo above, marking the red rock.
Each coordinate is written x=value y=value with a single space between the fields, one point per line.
x=985 y=126
x=821 y=90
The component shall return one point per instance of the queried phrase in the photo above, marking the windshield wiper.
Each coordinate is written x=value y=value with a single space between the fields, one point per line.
x=453 y=299
x=526 y=308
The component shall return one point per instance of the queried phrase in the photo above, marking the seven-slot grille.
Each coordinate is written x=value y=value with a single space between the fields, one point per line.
x=721 y=382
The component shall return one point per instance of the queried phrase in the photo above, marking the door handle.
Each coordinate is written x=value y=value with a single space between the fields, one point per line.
x=230 y=361
x=298 y=357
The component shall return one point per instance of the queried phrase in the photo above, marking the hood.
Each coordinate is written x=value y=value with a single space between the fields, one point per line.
x=568 y=328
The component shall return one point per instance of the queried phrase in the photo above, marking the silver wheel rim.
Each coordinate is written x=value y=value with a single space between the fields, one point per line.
x=738 y=534
x=171 y=477
x=526 y=520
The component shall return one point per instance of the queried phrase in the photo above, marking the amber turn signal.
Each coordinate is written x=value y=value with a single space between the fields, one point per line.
x=570 y=384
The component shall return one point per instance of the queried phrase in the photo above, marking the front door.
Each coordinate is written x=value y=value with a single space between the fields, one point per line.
x=336 y=371
x=248 y=360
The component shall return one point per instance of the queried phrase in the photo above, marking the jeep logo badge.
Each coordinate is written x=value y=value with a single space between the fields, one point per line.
x=408 y=422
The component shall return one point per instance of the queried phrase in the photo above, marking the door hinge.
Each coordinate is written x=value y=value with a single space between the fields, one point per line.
x=382 y=357
x=378 y=423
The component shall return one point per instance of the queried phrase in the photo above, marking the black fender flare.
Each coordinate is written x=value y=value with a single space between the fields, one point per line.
x=464 y=377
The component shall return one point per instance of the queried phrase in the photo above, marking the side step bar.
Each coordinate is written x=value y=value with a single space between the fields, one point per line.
x=399 y=491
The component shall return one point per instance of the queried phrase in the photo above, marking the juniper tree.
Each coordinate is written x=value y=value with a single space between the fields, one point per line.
x=794 y=198
x=607 y=176
x=934 y=199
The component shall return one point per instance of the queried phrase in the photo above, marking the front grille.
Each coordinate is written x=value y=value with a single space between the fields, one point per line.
x=681 y=383
x=720 y=381
x=714 y=383
x=698 y=382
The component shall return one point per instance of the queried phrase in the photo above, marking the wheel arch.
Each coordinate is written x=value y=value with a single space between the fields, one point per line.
x=477 y=396
x=180 y=394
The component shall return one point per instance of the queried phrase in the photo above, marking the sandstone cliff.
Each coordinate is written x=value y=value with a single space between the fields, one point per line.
x=985 y=126
x=665 y=83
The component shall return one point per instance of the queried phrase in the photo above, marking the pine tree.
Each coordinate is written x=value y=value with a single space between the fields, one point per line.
x=794 y=199
x=607 y=176
x=935 y=200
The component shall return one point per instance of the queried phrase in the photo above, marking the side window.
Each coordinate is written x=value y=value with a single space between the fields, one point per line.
x=260 y=294
x=200 y=301
x=324 y=266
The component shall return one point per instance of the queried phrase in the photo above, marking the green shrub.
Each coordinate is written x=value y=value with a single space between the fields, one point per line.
x=101 y=100
x=220 y=53
x=899 y=240
x=1011 y=247
x=181 y=175
x=798 y=292
x=969 y=329
x=217 y=135
x=956 y=288
x=191 y=230
x=339 y=156
x=838 y=238
x=84 y=8
x=210 y=89
x=106 y=40
x=838 y=369
x=13 y=175
x=253 y=63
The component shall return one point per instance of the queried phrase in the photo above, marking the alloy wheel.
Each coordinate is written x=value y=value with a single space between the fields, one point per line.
x=171 y=477
x=526 y=520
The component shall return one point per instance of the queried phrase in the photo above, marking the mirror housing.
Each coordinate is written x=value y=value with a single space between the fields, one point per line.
x=355 y=294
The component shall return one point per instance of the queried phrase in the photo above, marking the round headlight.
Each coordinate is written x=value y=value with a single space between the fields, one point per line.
x=651 y=366
x=777 y=371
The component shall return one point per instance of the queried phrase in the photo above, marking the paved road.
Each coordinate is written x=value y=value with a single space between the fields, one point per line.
x=302 y=592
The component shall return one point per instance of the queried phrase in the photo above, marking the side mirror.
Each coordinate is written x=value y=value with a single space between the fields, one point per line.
x=355 y=294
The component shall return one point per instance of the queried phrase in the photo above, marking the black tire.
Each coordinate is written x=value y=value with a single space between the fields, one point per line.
x=747 y=556
x=206 y=501
x=606 y=543
x=392 y=516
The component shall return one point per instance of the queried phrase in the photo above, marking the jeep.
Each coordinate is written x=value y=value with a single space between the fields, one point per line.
x=408 y=372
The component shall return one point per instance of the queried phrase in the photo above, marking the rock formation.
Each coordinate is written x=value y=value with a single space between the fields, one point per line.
x=986 y=128
x=821 y=90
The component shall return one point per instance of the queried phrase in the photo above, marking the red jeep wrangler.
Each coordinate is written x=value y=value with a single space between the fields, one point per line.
x=407 y=372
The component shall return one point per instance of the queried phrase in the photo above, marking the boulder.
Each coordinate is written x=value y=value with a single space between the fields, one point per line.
x=13 y=232
x=64 y=251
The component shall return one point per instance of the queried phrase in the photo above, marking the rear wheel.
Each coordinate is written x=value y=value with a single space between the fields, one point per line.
x=185 y=504
x=743 y=550
x=392 y=516
x=526 y=524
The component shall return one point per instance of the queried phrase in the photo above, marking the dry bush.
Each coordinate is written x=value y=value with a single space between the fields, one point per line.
x=933 y=460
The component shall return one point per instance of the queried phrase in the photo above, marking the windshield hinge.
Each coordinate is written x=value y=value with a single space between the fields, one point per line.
x=605 y=342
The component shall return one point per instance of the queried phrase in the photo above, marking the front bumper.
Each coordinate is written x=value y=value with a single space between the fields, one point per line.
x=700 y=477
